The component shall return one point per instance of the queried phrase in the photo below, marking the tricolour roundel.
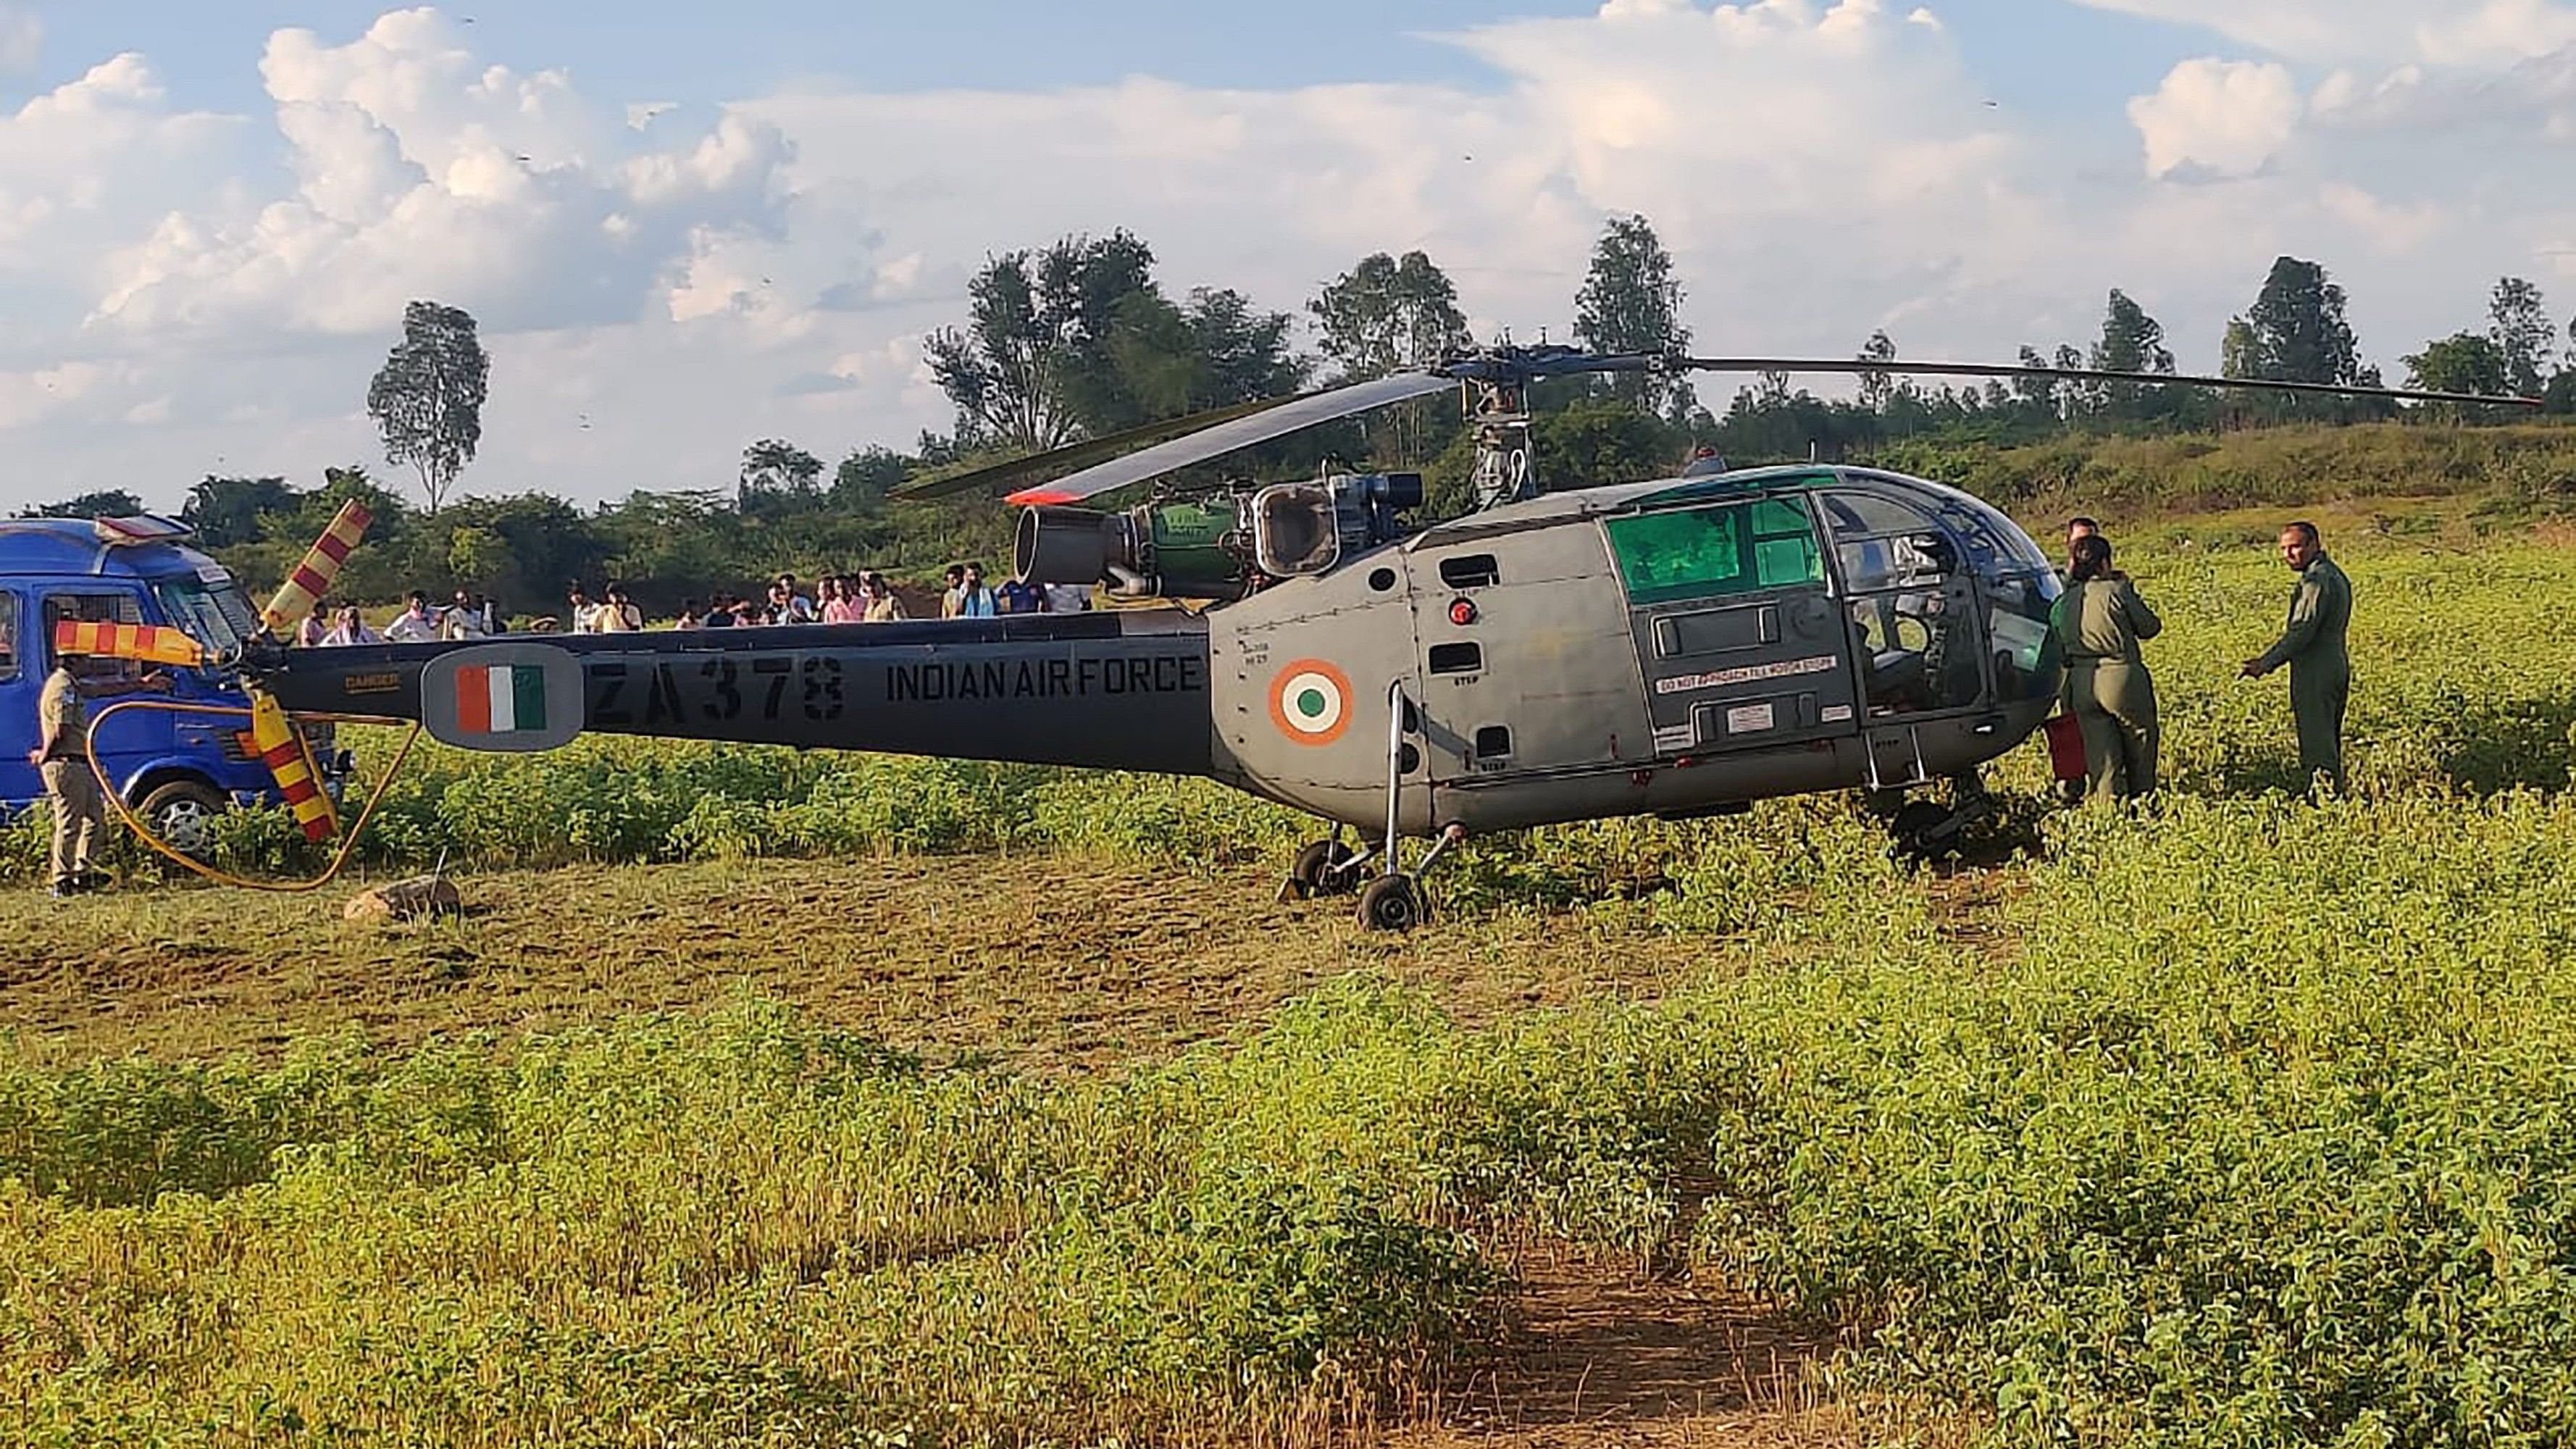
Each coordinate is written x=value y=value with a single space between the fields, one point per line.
x=1310 y=701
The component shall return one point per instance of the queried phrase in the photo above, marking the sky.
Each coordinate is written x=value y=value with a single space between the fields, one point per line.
x=708 y=224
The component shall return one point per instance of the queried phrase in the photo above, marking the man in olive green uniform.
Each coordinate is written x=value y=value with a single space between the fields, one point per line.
x=60 y=756
x=2313 y=646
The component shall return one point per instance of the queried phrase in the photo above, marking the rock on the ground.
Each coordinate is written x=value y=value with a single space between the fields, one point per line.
x=406 y=900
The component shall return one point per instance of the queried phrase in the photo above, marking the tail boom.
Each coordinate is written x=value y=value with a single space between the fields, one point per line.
x=1111 y=690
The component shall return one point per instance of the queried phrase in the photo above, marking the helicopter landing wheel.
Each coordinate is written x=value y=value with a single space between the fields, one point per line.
x=1323 y=869
x=1393 y=903
x=1921 y=829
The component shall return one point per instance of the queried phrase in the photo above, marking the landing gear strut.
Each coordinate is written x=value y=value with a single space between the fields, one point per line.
x=1926 y=830
x=1324 y=868
x=1392 y=900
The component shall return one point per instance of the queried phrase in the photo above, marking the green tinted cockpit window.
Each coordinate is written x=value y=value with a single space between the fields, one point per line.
x=1697 y=552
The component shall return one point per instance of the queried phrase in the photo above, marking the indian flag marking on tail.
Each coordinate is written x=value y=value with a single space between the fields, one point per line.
x=515 y=697
x=501 y=699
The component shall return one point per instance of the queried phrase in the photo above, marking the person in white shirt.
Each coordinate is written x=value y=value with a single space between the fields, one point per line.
x=799 y=609
x=415 y=624
x=585 y=614
x=347 y=628
x=483 y=615
x=619 y=615
x=1068 y=598
x=461 y=620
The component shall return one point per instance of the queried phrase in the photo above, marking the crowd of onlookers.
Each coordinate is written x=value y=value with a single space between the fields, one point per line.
x=866 y=597
x=861 y=598
x=470 y=616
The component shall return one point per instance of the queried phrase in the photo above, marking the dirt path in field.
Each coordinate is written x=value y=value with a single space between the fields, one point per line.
x=1044 y=963
x=1599 y=1355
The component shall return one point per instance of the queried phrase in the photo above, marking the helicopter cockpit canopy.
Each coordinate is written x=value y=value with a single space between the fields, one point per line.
x=1914 y=557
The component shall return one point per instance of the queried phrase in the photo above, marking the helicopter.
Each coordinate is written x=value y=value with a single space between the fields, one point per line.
x=1677 y=647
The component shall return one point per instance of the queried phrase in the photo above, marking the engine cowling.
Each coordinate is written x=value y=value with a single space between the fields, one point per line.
x=1220 y=546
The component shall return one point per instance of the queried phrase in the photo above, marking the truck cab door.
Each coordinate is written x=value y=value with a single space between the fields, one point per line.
x=132 y=739
x=1735 y=626
x=20 y=678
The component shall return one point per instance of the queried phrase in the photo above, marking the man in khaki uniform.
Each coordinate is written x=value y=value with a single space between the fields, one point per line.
x=2312 y=644
x=60 y=756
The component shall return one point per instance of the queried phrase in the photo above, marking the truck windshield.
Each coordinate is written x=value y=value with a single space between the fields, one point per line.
x=215 y=615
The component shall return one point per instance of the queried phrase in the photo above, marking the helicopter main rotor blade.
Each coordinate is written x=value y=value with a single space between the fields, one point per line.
x=1082 y=454
x=1898 y=367
x=1239 y=433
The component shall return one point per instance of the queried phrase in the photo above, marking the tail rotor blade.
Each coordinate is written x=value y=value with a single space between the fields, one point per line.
x=144 y=643
x=312 y=577
x=281 y=747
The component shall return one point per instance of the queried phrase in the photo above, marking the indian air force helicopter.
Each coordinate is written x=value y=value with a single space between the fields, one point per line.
x=1676 y=647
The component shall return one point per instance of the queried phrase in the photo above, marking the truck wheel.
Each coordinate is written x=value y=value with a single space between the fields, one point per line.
x=182 y=813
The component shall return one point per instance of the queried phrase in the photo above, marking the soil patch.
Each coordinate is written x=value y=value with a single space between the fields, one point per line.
x=1599 y=1354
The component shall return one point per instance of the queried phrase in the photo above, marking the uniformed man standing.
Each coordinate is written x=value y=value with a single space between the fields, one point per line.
x=60 y=756
x=2313 y=646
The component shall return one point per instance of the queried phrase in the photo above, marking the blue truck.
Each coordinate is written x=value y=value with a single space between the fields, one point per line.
x=176 y=770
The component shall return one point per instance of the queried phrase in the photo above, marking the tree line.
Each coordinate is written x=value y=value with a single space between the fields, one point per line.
x=1080 y=339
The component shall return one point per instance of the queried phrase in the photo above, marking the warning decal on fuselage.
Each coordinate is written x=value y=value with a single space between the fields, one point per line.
x=1788 y=669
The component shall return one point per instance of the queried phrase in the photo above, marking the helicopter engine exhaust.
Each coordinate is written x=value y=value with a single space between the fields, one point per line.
x=1183 y=550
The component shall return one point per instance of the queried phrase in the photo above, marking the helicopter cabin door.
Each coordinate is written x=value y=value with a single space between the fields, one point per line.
x=1913 y=610
x=1731 y=617
x=1525 y=662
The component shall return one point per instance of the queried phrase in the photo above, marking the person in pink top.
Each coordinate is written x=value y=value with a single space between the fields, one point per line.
x=840 y=606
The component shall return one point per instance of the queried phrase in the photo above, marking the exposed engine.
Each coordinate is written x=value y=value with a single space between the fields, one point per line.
x=1218 y=546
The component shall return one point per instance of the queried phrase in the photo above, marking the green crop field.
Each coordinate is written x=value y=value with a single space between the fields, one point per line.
x=777 y=1100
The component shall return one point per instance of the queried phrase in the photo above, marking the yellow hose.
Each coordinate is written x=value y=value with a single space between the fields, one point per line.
x=133 y=822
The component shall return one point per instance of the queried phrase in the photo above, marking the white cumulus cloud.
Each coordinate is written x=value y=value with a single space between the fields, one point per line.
x=2226 y=118
x=422 y=171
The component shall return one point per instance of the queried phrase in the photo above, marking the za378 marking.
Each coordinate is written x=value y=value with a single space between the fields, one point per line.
x=765 y=687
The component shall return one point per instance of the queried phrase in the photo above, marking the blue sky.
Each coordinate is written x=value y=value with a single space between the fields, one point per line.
x=2049 y=58
x=212 y=214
